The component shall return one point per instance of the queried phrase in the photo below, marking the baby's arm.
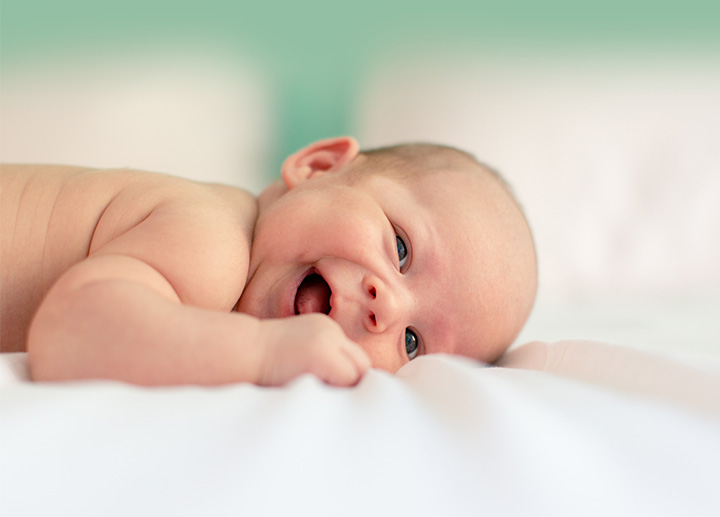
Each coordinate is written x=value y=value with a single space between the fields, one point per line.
x=140 y=309
x=115 y=317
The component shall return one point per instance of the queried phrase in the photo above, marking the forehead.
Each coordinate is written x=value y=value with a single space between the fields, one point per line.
x=434 y=185
x=466 y=197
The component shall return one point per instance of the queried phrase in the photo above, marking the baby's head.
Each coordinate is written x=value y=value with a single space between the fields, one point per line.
x=412 y=249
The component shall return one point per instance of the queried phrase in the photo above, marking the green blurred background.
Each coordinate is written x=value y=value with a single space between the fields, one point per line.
x=314 y=52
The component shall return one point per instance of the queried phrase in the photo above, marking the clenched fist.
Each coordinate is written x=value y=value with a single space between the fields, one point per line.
x=310 y=343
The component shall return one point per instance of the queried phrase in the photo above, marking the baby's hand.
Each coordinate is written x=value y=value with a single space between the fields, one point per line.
x=310 y=343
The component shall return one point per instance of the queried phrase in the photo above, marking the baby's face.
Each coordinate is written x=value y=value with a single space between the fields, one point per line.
x=429 y=263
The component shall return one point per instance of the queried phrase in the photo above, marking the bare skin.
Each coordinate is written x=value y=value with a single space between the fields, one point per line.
x=155 y=280
x=169 y=256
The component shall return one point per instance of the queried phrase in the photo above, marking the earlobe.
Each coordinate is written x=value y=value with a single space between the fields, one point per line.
x=319 y=158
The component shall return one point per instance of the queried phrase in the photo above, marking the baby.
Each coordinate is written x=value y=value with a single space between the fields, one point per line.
x=355 y=259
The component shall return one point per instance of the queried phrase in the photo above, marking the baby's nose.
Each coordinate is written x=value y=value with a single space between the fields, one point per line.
x=385 y=305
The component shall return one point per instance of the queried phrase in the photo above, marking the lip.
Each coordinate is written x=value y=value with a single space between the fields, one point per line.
x=288 y=306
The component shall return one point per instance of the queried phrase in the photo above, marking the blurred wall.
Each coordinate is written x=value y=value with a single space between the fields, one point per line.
x=315 y=54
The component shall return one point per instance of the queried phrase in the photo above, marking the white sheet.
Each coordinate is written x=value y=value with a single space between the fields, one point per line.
x=445 y=436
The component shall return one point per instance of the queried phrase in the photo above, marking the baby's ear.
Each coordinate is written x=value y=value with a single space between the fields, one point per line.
x=321 y=157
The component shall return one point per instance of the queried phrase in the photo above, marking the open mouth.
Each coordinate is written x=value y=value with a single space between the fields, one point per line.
x=313 y=295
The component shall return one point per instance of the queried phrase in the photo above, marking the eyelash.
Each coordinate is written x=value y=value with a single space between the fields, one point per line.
x=412 y=355
x=403 y=264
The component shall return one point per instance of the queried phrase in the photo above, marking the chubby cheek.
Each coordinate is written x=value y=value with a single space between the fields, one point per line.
x=356 y=242
x=382 y=355
x=340 y=227
x=357 y=232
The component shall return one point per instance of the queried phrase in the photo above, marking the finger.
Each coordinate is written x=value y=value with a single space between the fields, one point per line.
x=339 y=369
x=358 y=356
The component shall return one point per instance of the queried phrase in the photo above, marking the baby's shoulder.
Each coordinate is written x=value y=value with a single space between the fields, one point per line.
x=185 y=207
x=197 y=235
x=220 y=217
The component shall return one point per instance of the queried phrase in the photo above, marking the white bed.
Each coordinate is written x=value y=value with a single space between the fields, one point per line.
x=633 y=435
x=618 y=170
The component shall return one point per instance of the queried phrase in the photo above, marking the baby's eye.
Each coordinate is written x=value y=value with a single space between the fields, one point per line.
x=411 y=344
x=402 y=251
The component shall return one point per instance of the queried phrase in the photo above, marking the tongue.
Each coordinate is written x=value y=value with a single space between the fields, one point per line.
x=313 y=295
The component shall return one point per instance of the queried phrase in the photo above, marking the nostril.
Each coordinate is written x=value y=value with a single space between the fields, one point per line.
x=372 y=319
x=372 y=292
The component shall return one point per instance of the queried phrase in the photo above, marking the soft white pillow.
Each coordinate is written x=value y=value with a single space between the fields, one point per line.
x=685 y=380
